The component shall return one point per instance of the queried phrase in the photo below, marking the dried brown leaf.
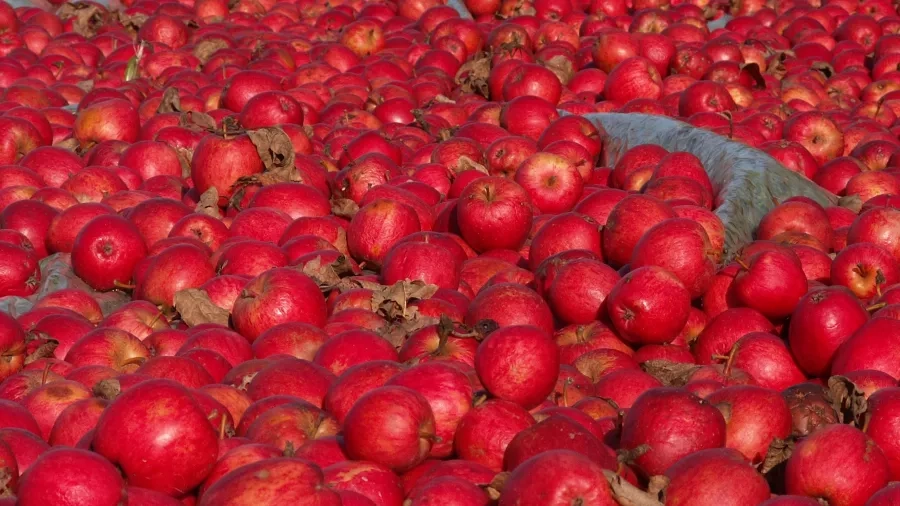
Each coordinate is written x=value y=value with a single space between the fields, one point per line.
x=206 y=48
x=344 y=208
x=397 y=331
x=171 y=102
x=45 y=350
x=779 y=451
x=132 y=22
x=326 y=275
x=629 y=456
x=465 y=163
x=184 y=159
x=276 y=151
x=627 y=494
x=195 y=308
x=393 y=301
x=670 y=374
x=562 y=67
x=657 y=485
x=209 y=204
x=87 y=17
x=495 y=487
x=848 y=400
x=472 y=76
x=197 y=121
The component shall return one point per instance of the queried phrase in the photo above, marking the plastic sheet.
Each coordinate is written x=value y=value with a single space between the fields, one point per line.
x=57 y=274
x=748 y=182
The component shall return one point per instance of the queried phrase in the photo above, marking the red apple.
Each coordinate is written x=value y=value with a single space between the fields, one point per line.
x=700 y=426
x=649 y=305
x=810 y=470
x=391 y=425
x=494 y=213
x=278 y=296
x=533 y=350
x=553 y=182
x=177 y=461
x=689 y=480
x=70 y=476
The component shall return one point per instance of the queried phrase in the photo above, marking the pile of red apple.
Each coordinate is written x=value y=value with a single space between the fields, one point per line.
x=355 y=253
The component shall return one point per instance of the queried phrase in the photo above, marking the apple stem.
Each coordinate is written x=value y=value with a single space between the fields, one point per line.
x=133 y=361
x=45 y=374
x=565 y=392
x=222 y=427
x=729 y=360
x=876 y=307
x=155 y=320
x=740 y=261
x=123 y=286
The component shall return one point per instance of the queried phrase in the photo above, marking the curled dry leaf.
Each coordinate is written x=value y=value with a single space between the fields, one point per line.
x=657 y=485
x=393 y=301
x=562 y=67
x=327 y=275
x=670 y=374
x=779 y=452
x=848 y=400
x=184 y=159
x=132 y=22
x=465 y=163
x=777 y=67
x=195 y=308
x=209 y=203
x=397 y=331
x=495 y=487
x=205 y=49
x=393 y=304
x=344 y=208
x=275 y=149
x=472 y=76
x=45 y=350
x=277 y=154
x=197 y=121
x=627 y=494
x=6 y=480
x=629 y=456
x=88 y=18
x=171 y=101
